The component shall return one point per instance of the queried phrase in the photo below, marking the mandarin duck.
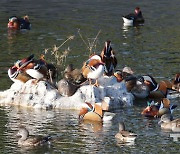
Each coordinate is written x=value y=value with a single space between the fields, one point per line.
x=73 y=75
x=158 y=109
x=35 y=69
x=16 y=75
x=17 y=23
x=157 y=90
x=92 y=113
x=15 y=72
x=93 y=68
x=108 y=58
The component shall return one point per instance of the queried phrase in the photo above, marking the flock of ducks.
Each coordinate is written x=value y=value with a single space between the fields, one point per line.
x=96 y=66
x=141 y=86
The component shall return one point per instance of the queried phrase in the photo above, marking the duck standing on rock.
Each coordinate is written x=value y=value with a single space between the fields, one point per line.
x=71 y=81
x=73 y=75
x=134 y=18
x=93 y=68
x=30 y=141
x=108 y=58
x=15 y=72
x=33 y=69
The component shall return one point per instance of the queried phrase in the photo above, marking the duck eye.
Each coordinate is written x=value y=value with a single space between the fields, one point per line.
x=92 y=68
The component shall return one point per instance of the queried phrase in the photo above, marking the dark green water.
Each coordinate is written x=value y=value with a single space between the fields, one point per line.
x=152 y=48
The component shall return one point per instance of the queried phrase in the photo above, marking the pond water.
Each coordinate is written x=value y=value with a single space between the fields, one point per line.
x=149 y=49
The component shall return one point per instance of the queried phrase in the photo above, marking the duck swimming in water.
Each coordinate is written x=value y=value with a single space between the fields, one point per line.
x=92 y=113
x=125 y=136
x=168 y=124
x=156 y=90
x=17 y=23
x=29 y=141
x=158 y=109
x=133 y=18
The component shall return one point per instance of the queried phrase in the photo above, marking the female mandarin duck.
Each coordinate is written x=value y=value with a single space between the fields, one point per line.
x=92 y=113
x=27 y=141
x=73 y=75
x=134 y=18
x=125 y=136
x=108 y=57
x=157 y=110
x=17 y=23
x=93 y=68
x=168 y=124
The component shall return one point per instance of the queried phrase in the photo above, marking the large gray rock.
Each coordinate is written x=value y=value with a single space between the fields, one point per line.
x=43 y=95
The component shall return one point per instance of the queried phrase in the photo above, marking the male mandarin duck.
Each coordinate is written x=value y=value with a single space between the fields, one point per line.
x=16 y=75
x=36 y=69
x=49 y=69
x=134 y=18
x=13 y=23
x=30 y=141
x=109 y=59
x=168 y=124
x=176 y=82
x=95 y=112
x=17 y=23
x=138 y=88
x=157 y=110
x=92 y=112
x=124 y=135
x=93 y=68
x=157 y=90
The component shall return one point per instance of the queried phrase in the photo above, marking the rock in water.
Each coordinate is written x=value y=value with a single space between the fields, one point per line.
x=43 y=95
